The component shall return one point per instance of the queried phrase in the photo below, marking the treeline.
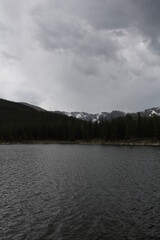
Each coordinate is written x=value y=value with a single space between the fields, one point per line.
x=130 y=128
x=20 y=123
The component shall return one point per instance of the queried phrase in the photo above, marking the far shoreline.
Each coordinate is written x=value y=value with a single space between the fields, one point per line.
x=91 y=142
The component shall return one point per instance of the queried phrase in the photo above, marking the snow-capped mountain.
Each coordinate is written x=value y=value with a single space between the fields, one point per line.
x=110 y=115
x=152 y=111
x=94 y=117
x=103 y=115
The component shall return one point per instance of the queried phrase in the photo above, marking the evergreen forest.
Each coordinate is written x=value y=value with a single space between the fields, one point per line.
x=20 y=123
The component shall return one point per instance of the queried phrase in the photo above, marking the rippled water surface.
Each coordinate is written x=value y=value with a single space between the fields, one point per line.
x=79 y=192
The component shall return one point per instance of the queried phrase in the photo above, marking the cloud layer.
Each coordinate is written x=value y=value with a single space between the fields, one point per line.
x=86 y=56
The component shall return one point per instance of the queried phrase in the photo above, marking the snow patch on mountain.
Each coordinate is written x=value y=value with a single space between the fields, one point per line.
x=154 y=113
x=97 y=117
x=78 y=115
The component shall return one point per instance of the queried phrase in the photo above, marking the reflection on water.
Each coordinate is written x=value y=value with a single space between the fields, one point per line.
x=68 y=192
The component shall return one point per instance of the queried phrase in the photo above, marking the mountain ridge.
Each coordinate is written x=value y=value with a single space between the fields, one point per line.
x=33 y=106
x=110 y=115
x=20 y=122
x=96 y=117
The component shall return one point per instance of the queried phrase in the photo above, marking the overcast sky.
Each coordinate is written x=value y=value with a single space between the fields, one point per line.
x=81 y=55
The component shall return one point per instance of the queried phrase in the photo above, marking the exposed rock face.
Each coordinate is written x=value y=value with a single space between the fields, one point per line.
x=110 y=115
x=103 y=115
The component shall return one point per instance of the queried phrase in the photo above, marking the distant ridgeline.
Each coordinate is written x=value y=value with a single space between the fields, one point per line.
x=20 y=122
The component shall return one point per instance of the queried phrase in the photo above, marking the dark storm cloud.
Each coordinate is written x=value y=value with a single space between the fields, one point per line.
x=143 y=14
x=73 y=55
x=57 y=30
x=149 y=20
x=68 y=30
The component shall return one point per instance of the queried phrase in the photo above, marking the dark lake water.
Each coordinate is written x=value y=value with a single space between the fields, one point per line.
x=65 y=192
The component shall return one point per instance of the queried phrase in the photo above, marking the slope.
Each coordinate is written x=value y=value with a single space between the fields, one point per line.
x=21 y=122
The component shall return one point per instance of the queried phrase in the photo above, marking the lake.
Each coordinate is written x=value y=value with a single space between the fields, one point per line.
x=83 y=192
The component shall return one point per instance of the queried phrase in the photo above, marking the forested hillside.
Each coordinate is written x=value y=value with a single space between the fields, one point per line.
x=19 y=123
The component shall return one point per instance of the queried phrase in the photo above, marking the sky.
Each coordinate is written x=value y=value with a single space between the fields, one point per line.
x=74 y=55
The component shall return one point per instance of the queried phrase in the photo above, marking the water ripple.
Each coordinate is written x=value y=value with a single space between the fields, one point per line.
x=66 y=192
